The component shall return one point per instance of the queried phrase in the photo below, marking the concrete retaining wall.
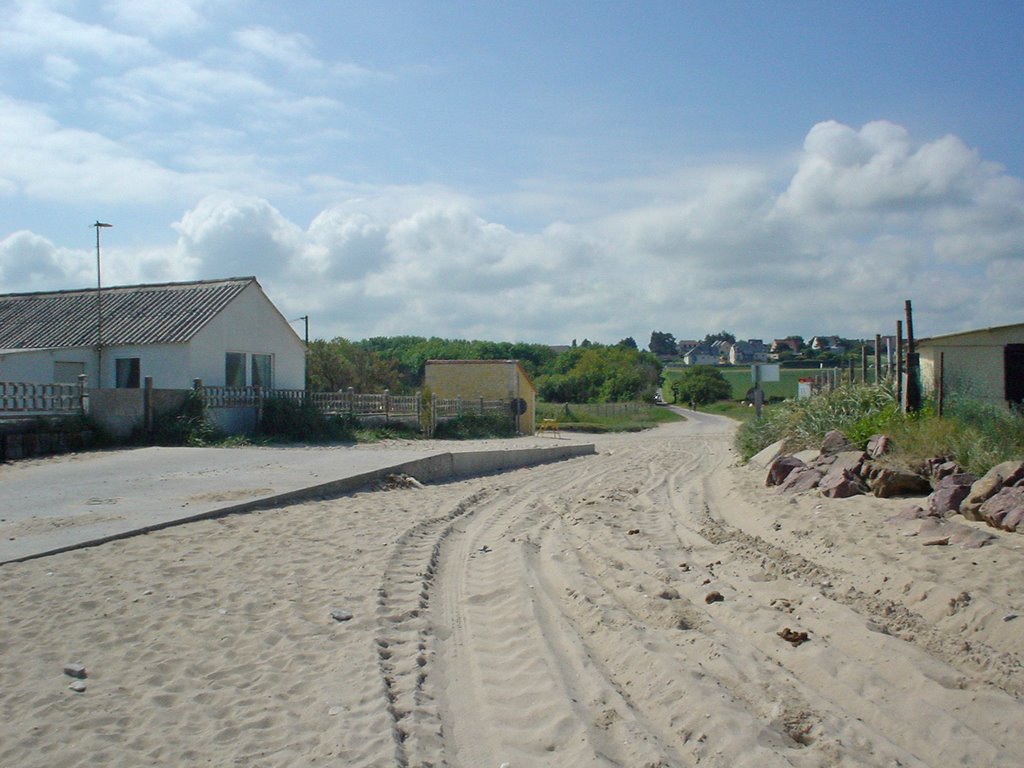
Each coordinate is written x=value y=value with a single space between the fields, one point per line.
x=433 y=469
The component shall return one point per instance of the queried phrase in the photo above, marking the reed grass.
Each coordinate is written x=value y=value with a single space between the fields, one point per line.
x=974 y=434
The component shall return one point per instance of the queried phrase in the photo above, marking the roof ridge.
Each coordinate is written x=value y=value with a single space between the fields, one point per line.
x=108 y=288
x=153 y=313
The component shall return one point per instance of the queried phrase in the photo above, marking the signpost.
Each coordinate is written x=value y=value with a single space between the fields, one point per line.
x=762 y=372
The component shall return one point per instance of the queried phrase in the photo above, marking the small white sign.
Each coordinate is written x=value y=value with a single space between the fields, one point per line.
x=764 y=372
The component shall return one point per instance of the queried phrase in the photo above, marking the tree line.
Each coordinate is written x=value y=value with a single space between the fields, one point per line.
x=588 y=372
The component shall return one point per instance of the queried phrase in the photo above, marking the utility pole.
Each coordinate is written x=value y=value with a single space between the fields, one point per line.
x=305 y=320
x=99 y=306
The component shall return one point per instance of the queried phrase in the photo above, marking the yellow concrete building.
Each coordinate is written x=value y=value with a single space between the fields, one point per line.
x=487 y=379
x=987 y=364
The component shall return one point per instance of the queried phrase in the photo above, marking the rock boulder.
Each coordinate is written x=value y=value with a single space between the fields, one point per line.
x=1007 y=474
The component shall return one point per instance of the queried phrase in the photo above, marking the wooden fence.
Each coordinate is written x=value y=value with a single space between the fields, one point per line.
x=24 y=400
x=406 y=409
x=599 y=409
x=383 y=405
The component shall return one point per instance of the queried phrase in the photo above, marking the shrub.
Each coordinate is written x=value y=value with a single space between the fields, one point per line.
x=285 y=419
x=701 y=385
x=857 y=411
x=975 y=434
x=187 y=426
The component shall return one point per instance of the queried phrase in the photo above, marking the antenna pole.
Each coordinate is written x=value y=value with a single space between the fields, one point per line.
x=99 y=307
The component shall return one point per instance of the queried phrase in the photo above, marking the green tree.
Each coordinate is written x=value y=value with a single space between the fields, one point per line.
x=598 y=373
x=700 y=385
x=720 y=336
x=663 y=343
x=339 y=364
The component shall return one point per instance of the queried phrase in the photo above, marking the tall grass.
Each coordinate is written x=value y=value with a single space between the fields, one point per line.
x=857 y=411
x=974 y=434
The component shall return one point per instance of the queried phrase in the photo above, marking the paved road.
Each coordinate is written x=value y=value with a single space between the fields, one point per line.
x=58 y=503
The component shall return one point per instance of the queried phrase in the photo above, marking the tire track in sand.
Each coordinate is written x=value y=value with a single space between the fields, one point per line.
x=406 y=640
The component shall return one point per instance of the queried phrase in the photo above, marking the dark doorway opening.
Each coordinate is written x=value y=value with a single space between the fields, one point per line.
x=1013 y=365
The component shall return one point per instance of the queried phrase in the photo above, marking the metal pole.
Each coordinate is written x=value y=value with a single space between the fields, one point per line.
x=99 y=307
x=305 y=319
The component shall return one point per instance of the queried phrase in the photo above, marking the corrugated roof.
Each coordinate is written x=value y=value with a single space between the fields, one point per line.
x=993 y=329
x=167 y=313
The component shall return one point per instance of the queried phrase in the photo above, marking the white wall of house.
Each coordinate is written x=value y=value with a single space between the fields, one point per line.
x=972 y=362
x=166 y=363
x=700 y=358
x=250 y=325
x=38 y=366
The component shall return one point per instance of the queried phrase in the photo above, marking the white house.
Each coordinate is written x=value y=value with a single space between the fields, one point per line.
x=751 y=351
x=225 y=332
x=701 y=355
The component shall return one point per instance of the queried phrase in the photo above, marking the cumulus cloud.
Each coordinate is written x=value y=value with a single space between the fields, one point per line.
x=235 y=236
x=863 y=219
x=878 y=168
x=29 y=262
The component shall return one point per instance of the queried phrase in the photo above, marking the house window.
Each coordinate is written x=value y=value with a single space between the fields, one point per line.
x=234 y=369
x=67 y=372
x=263 y=371
x=127 y=369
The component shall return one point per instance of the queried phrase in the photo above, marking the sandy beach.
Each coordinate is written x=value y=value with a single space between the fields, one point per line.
x=622 y=609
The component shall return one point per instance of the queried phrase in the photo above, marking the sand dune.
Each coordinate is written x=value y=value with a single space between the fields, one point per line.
x=555 y=616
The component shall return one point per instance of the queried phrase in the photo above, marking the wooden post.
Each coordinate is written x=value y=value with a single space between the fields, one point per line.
x=939 y=383
x=878 y=358
x=864 y=364
x=387 y=406
x=899 y=365
x=913 y=387
x=758 y=394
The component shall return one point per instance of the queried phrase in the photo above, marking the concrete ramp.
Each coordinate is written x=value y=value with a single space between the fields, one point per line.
x=64 y=503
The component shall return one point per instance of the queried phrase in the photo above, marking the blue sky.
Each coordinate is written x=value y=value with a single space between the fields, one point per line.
x=526 y=171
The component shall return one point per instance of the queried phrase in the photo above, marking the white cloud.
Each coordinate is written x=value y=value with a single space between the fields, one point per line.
x=293 y=51
x=158 y=18
x=878 y=168
x=147 y=93
x=59 y=71
x=29 y=262
x=45 y=161
x=34 y=28
x=235 y=236
x=862 y=220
